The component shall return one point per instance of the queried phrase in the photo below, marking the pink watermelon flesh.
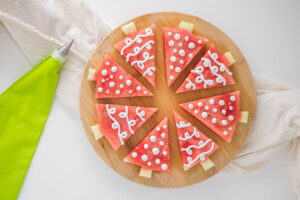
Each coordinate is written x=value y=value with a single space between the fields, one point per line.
x=195 y=147
x=118 y=122
x=211 y=71
x=180 y=47
x=114 y=81
x=152 y=153
x=219 y=113
x=139 y=50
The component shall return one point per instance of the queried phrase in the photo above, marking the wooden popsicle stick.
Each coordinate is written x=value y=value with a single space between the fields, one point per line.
x=91 y=74
x=145 y=173
x=207 y=164
x=229 y=57
x=187 y=26
x=128 y=28
x=245 y=116
x=96 y=132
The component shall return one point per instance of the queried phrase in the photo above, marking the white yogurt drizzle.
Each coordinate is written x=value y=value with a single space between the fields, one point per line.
x=200 y=78
x=116 y=125
x=138 y=39
x=201 y=145
x=149 y=71
x=130 y=123
x=214 y=70
x=187 y=136
x=201 y=156
x=139 y=113
x=189 y=84
x=137 y=50
x=182 y=124
x=140 y=63
x=223 y=68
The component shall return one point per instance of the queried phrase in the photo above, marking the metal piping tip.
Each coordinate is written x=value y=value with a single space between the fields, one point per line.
x=63 y=50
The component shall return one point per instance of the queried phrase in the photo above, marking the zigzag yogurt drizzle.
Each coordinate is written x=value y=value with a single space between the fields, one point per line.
x=138 y=49
x=211 y=71
x=119 y=122
x=195 y=146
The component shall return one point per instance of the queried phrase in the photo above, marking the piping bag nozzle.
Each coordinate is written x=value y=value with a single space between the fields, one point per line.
x=60 y=53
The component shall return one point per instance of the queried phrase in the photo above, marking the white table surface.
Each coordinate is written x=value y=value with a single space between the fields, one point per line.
x=65 y=166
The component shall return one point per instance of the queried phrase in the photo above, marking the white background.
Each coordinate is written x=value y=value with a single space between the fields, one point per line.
x=65 y=165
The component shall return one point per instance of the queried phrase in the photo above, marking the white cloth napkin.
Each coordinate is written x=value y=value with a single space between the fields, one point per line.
x=40 y=26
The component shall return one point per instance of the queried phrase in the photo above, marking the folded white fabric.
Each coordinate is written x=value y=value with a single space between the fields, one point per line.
x=40 y=26
x=276 y=125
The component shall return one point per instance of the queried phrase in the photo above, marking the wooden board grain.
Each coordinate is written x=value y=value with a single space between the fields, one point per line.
x=166 y=100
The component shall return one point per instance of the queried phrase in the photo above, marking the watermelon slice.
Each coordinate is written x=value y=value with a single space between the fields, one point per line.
x=118 y=122
x=180 y=47
x=195 y=147
x=219 y=113
x=139 y=50
x=114 y=81
x=211 y=71
x=152 y=153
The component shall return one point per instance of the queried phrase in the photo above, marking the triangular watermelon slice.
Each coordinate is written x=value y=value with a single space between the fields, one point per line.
x=139 y=50
x=180 y=47
x=114 y=81
x=152 y=153
x=118 y=122
x=195 y=147
x=219 y=113
x=211 y=71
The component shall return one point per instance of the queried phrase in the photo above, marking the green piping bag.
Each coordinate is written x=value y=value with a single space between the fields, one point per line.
x=24 y=109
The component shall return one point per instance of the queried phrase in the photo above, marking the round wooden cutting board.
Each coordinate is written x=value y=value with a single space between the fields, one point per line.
x=166 y=100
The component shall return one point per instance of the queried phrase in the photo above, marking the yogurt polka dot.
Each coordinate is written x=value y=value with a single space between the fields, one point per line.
x=134 y=154
x=181 y=52
x=177 y=36
x=173 y=59
x=144 y=157
x=152 y=138
x=104 y=72
x=177 y=69
x=191 y=45
x=114 y=69
x=128 y=82
x=155 y=151
x=111 y=84
x=171 y=43
x=164 y=166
